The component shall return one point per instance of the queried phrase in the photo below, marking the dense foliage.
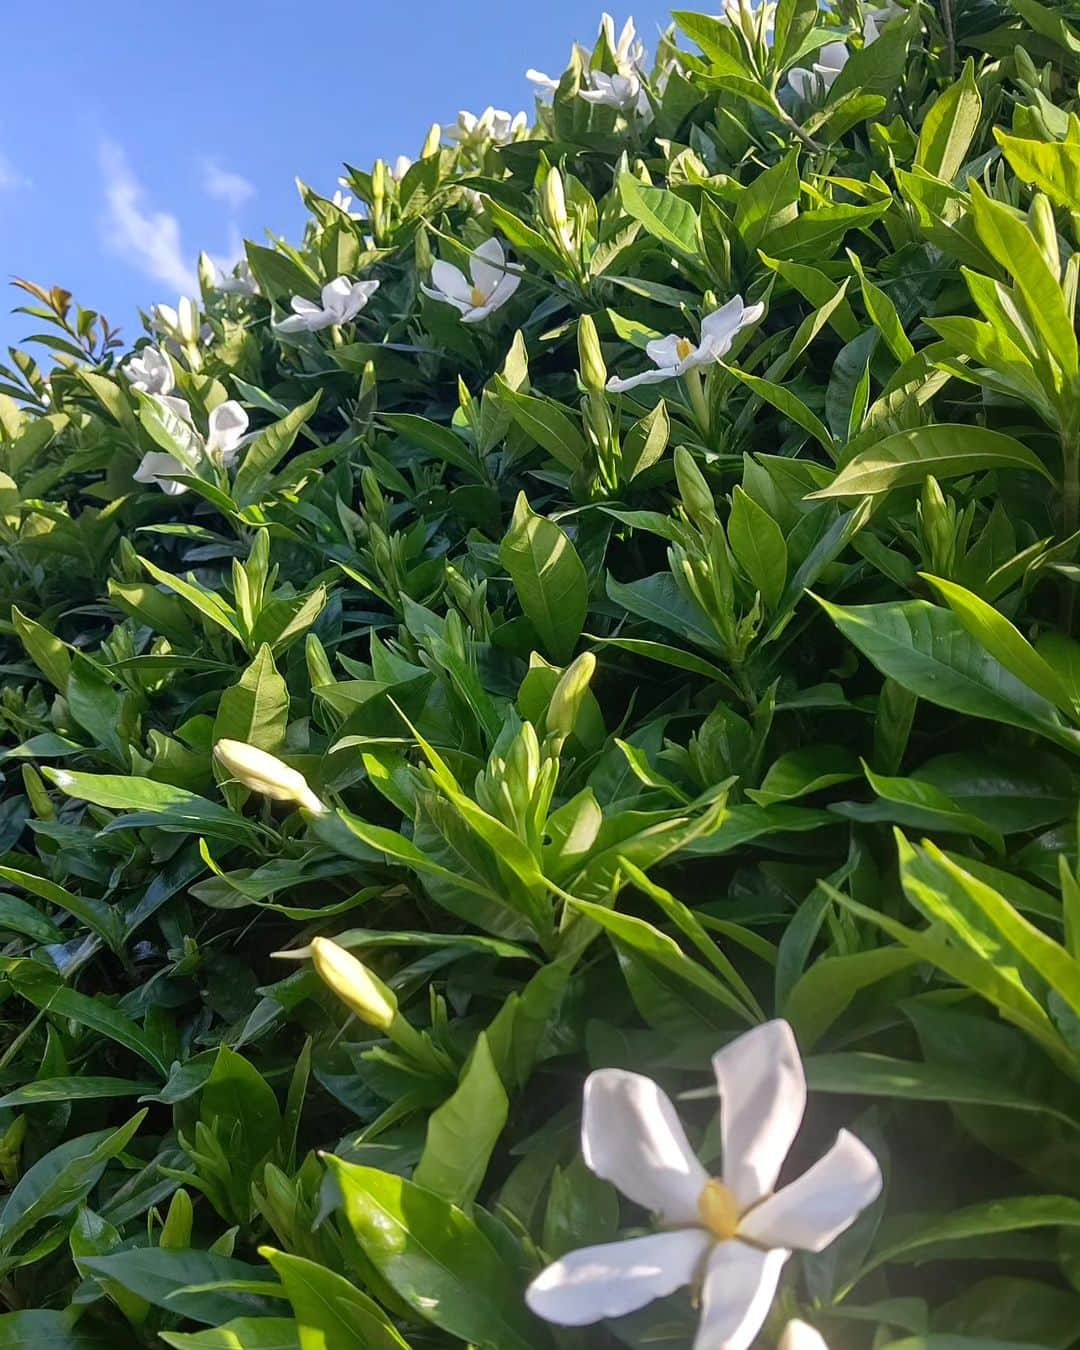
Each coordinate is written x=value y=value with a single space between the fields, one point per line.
x=620 y=715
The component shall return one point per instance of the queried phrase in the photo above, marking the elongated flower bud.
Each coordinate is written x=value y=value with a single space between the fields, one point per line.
x=1041 y=220
x=555 y=201
x=362 y=992
x=265 y=773
x=590 y=357
x=693 y=489
x=566 y=701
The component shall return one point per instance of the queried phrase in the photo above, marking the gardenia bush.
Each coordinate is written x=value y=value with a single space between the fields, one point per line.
x=540 y=729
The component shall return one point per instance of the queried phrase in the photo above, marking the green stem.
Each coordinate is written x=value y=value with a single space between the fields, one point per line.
x=1070 y=454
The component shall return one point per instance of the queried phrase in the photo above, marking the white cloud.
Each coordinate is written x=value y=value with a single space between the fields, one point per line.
x=224 y=185
x=149 y=239
x=11 y=180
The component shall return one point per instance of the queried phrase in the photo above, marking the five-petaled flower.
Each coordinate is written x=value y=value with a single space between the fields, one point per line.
x=625 y=92
x=493 y=282
x=674 y=355
x=493 y=124
x=831 y=60
x=727 y=1236
x=227 y=427
x=342 y=301
x=151 y=371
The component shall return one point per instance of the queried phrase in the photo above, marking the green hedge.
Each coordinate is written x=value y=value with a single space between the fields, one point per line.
x=602 y=601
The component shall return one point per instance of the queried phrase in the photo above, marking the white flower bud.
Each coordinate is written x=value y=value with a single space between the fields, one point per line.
x=265 y=773
x=362 y=992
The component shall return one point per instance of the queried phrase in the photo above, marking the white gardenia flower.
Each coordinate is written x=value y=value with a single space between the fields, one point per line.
x=629 y=50
x=674 y=355
x=801 y=1336
x=544 y=86
x=181 y=323
x=493 y=282
x=342 y=301
x=151 y=371
x=494 y=125
x=402 y=165
x=727 y=1236
x=239 y=281
x=831 y=60
x=228 y=424
x=625 y=92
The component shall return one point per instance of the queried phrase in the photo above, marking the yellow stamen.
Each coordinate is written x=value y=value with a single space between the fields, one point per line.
x=478 y=297
x=684 y=347
x=719 y=1210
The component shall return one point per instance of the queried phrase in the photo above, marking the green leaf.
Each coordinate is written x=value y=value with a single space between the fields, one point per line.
x=1003 y=641
x=462 y=1133
x=549 y=578
x=825 y=991
x=255 y=710
x=242 y=1333
x=905 y=458
x=331 y=1313
x=435 y=1257
x=544 y=420
x=269 y=448
x=1052 y=167
x=74 y=1089
x=806 y=770
x=770 y=201
x=47 y=652
x=920 y=805
x=927 y=651
x=36 y=1329
x=58 y=1182
x=440 y=441
x=99 y=917
x=757 y=542
x=666 y=216
x=158 y=804
x=179 y=1281
x=949 y=127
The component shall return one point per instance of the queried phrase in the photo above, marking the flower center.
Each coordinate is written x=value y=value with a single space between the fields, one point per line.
x=719 y=1210
x=477 y=296
x=684 y=347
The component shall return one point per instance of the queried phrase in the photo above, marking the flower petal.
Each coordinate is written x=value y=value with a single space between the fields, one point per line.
x=801 y=1336
x=740 y=1283
x=762 y=1100
x=631 y=1136
x=663 y=352
x=299 y=323
x=452 y=281
x=617 y=386
x=802 y=81
x=723 y=323
x=153 y=465
x=462 y=306
x=488 y=266
x=228 y=422
x=617 y=1277
x=825 y=1200
x=335 y=294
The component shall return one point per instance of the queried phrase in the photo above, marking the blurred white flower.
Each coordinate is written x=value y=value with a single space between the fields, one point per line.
x=151 y=371
x=181 y=323
x=880 y=15
x=625 y=92
x=674 y=355
x=831 y=60
x=730 y=1237
x=238 y=281
x=493 y=124
x=628 y=50
x=801 y=1336
x=544 y=86
x=493 y=282
x=342 y=301
x=227 y=424
x=402 y=165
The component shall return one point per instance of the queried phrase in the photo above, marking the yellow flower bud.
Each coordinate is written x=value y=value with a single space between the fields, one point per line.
x=590 y=357
x=362 y=992
x=262 y=772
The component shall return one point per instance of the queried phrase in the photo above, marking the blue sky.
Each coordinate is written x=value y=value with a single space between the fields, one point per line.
x=135 y=136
